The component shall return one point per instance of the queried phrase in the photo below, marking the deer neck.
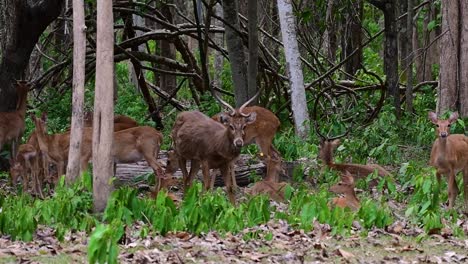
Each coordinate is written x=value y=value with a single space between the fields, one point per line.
x=43 y=140
x=442 y=147
x=226 y=145
x=22 y=105
x=327 y=154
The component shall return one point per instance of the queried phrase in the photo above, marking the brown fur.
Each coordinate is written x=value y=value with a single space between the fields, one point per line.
x=54 y=148
x=275 y=190
x=26 y=166
x=449 y=155
x=202 y=140
x=12 y=123
x=345 y=187
x=357 y=170
x=261 y=132
x=122 y=119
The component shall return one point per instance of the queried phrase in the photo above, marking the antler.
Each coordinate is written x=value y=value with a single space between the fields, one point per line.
x=248 y=102
x=233 y=110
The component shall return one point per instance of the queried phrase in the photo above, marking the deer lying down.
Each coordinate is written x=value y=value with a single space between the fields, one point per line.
x=26 y=166
x=261 y=132
x=358 y=171
x=275 y=190
x=200 y=139
x=345 y=187
x=449 y=155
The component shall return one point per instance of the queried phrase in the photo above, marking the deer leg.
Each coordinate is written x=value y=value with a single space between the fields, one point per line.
x=194 y=168
x=206 y=176
x=35 y=175
x=465 y=187
x=226 y=172
x=452 y=189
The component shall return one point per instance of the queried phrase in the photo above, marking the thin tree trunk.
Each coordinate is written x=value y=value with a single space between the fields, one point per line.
x=463 y=60
x=448 y=79
x=236 y=52
x=330 y=32
x=219 y=40
x=79 y=60
x=253 y=48
x=409 y=59
x=167 y=81
x=403 y=40
x=293 y=64
x=103 y=125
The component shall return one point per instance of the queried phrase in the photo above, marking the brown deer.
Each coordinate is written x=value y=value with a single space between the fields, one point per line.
x=202 y=140
x=345 y=187
x=12 y=123
x=357 y=170
x=450 y=155
x=26 y=166
x=275 y=190
x=54 y=148
x=137 y=143
x=261 y=132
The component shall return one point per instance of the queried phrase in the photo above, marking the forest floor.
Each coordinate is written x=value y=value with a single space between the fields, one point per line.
x=273 y=242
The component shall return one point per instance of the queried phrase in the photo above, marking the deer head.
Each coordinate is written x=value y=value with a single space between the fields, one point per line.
x=345 y=186
x=443 y=126
x=236 y=120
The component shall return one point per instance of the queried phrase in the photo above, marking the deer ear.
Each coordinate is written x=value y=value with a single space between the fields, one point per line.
x=251 y=118
x=453 y=117
x=336 y=142
x=224 y=119
x=433 y=117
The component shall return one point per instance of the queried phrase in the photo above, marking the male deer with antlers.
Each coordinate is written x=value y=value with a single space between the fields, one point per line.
x=327 y=146
x=12 y=123
x=202 y=140
x=450 y=155
x=261 y=132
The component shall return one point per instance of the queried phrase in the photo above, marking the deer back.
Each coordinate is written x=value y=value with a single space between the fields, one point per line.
x=196 y=136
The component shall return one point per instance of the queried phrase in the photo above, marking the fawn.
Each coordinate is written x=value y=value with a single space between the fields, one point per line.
x=346 y=187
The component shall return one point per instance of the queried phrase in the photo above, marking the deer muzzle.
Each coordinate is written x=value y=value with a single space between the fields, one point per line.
x=238 y=142
x=443 y=134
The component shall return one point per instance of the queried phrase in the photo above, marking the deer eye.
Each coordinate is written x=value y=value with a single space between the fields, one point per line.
x=437 y=125
x=449 y=125
x=231 y=127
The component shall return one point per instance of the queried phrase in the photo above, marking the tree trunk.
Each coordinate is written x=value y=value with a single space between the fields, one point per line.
x=409 y=59
x=103 y=125
x=236 y=52
x=388 y=8
x=253 y=49
x=403 y=40
x=353 y=37
x=293 y=65
x=448 y=79
x=167 y=81
x=330 y=32
x=24 y=21
x=79 y=60
x=137 y=21
x=218 y=56
x=463 y=69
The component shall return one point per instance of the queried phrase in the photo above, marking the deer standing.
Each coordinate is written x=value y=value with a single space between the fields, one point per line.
x=261 y=132
x=327 y=146
x=449 y=155
x=345 y=187
x=202 y=140
x=12 y=123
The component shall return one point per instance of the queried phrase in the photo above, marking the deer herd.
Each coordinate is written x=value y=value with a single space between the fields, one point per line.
x=208 y=143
